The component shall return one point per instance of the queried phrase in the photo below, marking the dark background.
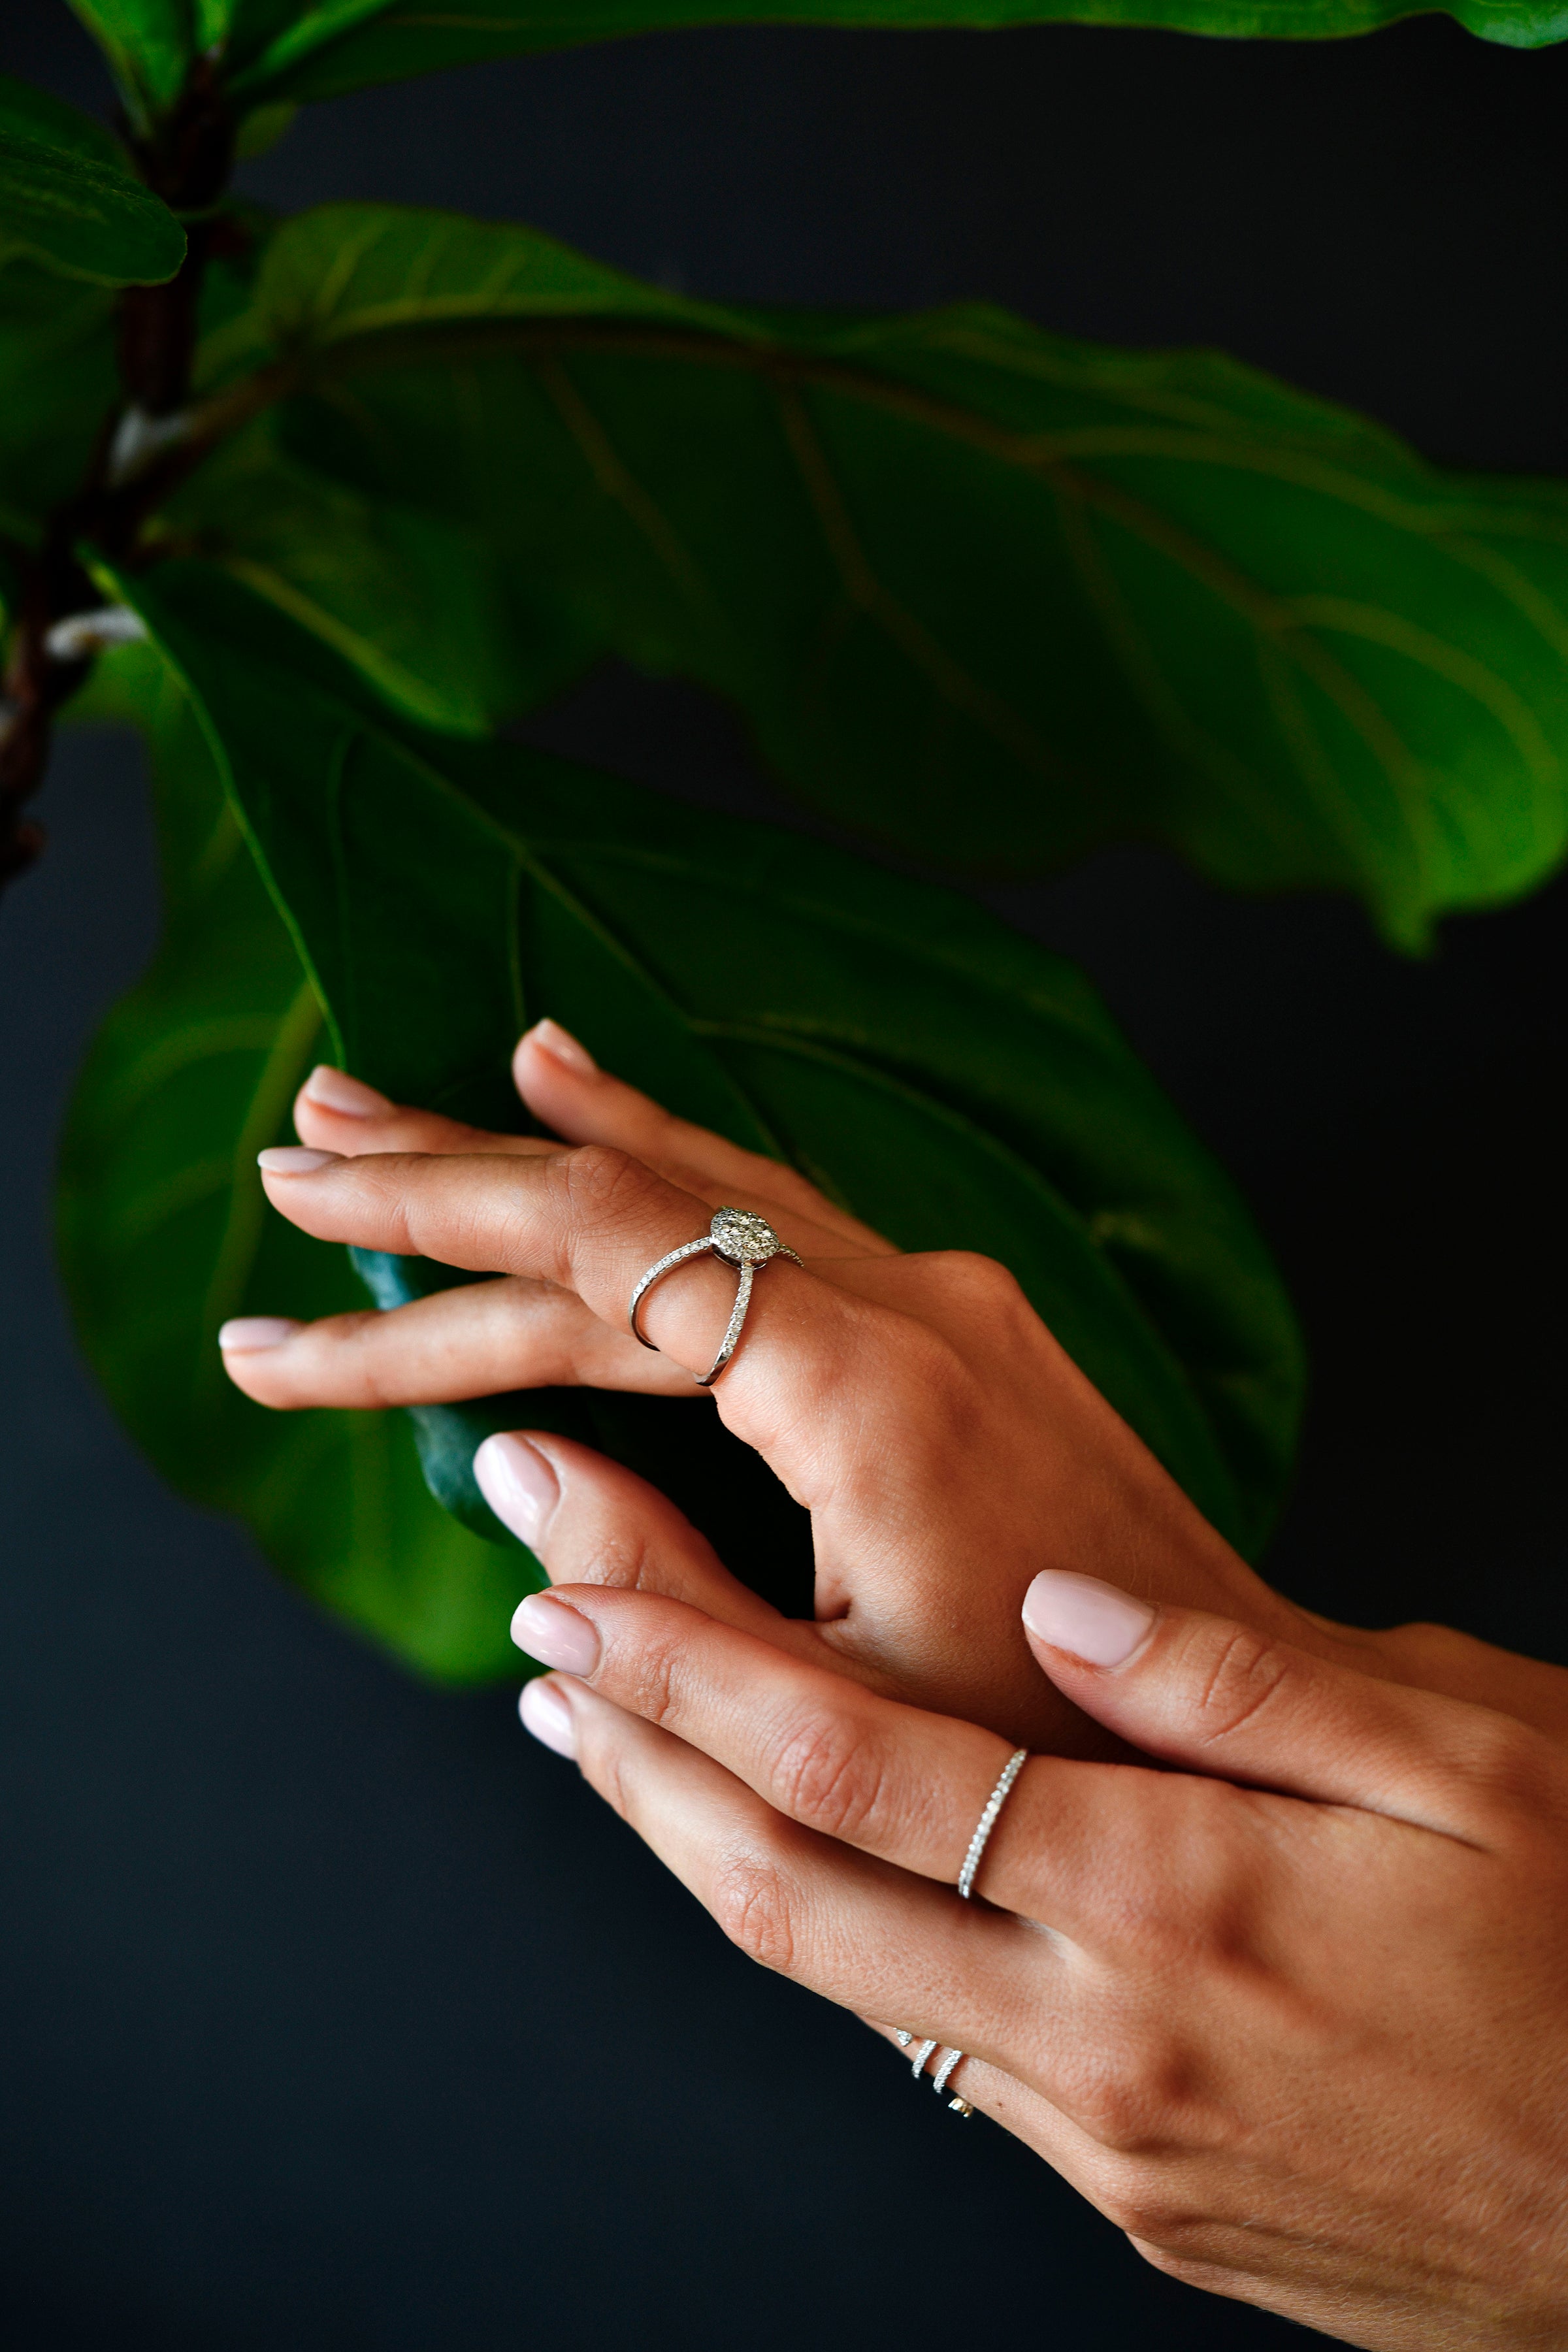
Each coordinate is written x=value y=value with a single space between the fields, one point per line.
x=333 y=2012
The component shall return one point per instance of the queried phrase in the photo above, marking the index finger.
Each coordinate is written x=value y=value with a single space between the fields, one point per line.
x=592 y=1219
x=896 y=1781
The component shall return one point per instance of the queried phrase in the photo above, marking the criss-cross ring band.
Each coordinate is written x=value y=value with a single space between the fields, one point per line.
x=742 y=1240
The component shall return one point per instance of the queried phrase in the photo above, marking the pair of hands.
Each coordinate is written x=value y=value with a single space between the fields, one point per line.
x=1306 y=2041
x=946 y=1447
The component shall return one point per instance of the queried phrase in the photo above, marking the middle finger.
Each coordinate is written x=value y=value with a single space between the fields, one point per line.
x=591 y=1220
x=1071 y=1845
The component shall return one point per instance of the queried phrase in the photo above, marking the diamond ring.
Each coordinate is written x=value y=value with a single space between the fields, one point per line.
x=742 y=1240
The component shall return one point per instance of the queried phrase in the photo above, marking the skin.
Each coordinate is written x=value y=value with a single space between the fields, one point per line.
x=1300 y=2030
x=946 y=1447
x=1279 y=1989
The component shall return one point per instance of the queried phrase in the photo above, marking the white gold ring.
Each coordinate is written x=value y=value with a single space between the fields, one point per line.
x=742 y=1240
x=987 y=1821
x=938 y=2081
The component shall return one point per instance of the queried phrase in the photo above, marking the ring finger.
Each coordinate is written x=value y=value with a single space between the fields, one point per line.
x=591 y=1222
x=860 y=1931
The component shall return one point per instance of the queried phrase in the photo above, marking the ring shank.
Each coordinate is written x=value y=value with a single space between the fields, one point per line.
x=746 y=1264
x=661 y=1266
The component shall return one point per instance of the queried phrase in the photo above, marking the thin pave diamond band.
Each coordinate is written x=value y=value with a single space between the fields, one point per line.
x=938 y=2081
x=742 y=1240
x=983 y=1829
x=987 y=1821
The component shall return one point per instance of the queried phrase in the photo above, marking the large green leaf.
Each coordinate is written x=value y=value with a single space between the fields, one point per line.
x=281 y=51
x=57 y=383
x=163 y=1231
x=956 y=1085
x=284 y=48
x=70 y=200
x=983 y=592
x=419 y=603
x=150 y=45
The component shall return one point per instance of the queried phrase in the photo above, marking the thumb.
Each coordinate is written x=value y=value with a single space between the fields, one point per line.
x=1218 y=1697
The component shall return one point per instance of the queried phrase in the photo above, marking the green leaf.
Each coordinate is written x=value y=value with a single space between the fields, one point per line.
x=58 y=380
x=982 y=592
x=150 y=45
x=283 y=49
x=163 y=1232
x=70 y=200
x=956 y=1085
x=416 y=602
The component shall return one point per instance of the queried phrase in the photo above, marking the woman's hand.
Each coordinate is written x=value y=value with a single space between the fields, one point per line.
x=1301 y=2032
x=945 y=1445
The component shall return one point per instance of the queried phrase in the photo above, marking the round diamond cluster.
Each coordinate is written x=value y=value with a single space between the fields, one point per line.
x=743 y=1238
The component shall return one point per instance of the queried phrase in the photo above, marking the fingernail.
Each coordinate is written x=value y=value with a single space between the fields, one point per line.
x=243 y=1335
x=563 y=1047
x=335 y=1090
x=555 y=1634
x=1098 y=1622
x=518 y=1483
x=548 y=1716
x=294 y=1159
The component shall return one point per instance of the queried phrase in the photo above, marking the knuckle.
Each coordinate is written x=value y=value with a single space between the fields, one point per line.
x=601 y=1181
x=1243 y=1675
x=1131 y=2104
x=750 y=1899
x=1174 y=2254
x=619 y=1555
x=827 y=1776
x=649 y=1681
x=932 y=1382
x=1512 y=1765
x=1153 y=2218
x=1423 y=1646
x=1154 y=2205
x=601 y=1760
x=983 y=1281
x=354 y=1353
x=985 y=1295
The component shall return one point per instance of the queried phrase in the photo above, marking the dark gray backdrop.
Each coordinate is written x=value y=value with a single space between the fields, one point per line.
x=333 y=2013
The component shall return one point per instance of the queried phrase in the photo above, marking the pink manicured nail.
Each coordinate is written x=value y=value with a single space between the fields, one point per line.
x=1098 y=1622
x=548 y=1716
x=555 y=1634
x=244 y=1335
x=294 y=1159
x=350 y=1098
x=518 y=1483
x=563 y=1047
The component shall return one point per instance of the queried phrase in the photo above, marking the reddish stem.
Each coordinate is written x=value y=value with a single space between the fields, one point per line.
x=187 y=161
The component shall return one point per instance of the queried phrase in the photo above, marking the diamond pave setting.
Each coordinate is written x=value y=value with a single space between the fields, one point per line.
x=742 y=1238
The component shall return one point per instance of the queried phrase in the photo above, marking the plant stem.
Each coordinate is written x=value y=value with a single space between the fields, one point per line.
x=187 y=160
